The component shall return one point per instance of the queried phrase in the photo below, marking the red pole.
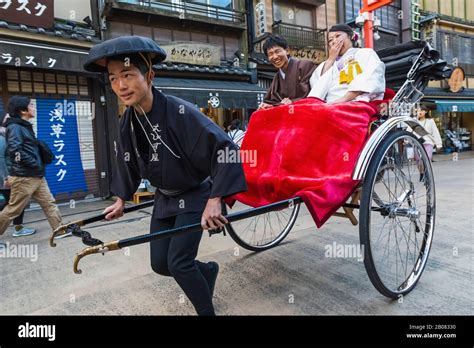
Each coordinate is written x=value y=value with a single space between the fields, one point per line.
x=369 y=31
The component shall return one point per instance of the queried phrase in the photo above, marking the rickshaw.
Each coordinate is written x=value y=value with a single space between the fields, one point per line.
x=397 y=208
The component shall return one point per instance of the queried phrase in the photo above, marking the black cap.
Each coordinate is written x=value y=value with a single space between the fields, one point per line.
x=97 y=60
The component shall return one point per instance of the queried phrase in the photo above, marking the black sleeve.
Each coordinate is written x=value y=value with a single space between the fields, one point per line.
x=16 y=151
x=215 y=153
x=125 y=178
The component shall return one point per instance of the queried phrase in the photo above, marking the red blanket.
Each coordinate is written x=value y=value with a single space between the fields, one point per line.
x=307 y=149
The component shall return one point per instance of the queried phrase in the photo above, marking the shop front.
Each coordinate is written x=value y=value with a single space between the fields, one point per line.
x=222 y=101
x=193 y=72
x=454 y=116
x=52 y=76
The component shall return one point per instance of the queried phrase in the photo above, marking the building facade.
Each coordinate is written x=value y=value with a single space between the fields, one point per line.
x=43 y=45
x=391 y=17
x=449 y=27
x=303 y=23
x=206 y=44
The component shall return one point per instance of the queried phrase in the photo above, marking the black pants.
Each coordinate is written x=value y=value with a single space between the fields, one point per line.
x=6 y=194
x=175 y=257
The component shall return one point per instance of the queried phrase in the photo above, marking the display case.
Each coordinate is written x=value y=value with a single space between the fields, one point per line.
x=465 y=137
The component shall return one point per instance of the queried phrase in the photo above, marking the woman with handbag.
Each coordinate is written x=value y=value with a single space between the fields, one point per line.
x=26 y=167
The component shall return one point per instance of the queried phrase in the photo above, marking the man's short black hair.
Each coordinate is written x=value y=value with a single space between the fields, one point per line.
x=274 y=40
x=134 y=59
x=17 y=104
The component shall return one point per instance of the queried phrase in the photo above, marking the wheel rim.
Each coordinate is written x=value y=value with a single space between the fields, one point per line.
x=400 y=235
x=266 y=230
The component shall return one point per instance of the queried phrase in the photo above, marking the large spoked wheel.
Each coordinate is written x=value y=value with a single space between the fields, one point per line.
x=264 y=231
x=397 y=214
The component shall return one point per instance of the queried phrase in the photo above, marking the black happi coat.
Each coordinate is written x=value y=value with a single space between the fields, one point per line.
x=191 y=136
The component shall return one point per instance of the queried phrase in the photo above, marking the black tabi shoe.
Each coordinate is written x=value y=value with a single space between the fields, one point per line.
x=213 y=270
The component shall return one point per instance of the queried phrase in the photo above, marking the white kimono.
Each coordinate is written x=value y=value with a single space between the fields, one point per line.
x=359 y=69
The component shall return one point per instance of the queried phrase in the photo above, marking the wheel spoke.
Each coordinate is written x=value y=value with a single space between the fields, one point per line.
x=265 y=230
x=395 y=249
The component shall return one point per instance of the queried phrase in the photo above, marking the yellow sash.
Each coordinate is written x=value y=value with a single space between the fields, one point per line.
x=349 y=76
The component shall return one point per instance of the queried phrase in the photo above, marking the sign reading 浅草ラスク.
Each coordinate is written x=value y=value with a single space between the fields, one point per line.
x=36 y=13
x=57 y=126
x=193 y=53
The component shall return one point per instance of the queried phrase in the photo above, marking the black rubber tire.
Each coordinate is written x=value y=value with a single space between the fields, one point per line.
x=235 y=236
x=366 y=211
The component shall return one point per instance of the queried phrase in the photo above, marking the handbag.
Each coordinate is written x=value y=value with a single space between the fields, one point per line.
x=47 y=155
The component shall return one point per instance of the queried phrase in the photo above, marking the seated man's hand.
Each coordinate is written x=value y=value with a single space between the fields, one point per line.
x=264 y=106
x=212 y=217
x=286 y=101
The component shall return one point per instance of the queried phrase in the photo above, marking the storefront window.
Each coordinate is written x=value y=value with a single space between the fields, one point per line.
x=457 y=49
x=224 y=117
x=292 y=14
x=38 y=82
x=221 y=3
x=207 y=10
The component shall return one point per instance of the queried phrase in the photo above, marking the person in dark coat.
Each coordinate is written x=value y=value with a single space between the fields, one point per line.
x=169 y=142
x=291 y=82
x=26 y=167
x=20 y=230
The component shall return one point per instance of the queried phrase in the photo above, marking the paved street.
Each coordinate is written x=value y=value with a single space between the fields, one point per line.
x=293 y=278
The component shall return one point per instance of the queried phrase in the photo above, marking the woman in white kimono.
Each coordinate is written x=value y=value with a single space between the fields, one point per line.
x=349 y=73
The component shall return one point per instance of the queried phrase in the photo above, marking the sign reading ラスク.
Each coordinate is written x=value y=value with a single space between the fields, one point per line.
x=36 y=13
x=57 y=126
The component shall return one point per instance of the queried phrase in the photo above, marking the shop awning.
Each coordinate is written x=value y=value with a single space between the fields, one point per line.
x=42 y=56
x=454 y=105
x=218 y=93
